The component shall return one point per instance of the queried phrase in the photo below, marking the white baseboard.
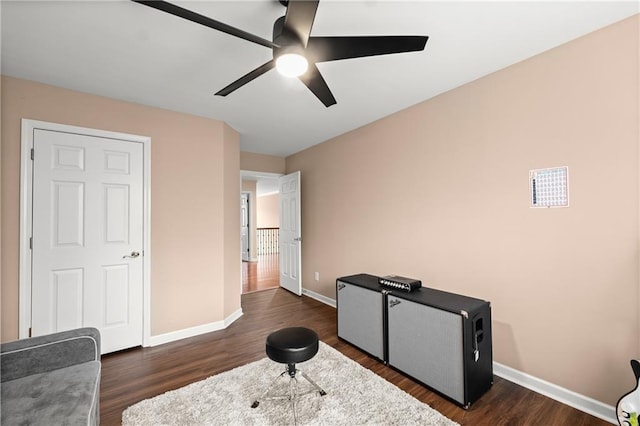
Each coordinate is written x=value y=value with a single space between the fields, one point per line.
x=232 y=318
x=324 y=299
x=560 y=394
x=194 y=331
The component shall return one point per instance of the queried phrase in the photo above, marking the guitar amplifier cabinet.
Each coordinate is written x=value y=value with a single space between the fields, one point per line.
x=443 y=340
x=361 y=311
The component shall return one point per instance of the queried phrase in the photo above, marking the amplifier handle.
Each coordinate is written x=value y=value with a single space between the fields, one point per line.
x=478 y=336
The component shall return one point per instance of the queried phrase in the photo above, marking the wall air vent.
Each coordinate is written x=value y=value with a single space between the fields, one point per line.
x=549 y=187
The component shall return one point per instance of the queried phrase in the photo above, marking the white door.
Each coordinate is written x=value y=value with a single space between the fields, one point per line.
x=244 y=226
x=290 y=234
x=87 y=237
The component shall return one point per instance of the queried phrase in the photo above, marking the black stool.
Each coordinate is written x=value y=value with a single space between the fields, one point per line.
x=290 y=346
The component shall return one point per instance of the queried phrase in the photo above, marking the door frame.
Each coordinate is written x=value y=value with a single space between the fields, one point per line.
x=249 y=222
x=26 y=191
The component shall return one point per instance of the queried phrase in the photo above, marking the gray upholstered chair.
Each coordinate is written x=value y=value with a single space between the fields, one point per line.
x=51 y=380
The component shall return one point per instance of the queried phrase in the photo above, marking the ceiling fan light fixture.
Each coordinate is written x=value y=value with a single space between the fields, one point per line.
x=291 y=64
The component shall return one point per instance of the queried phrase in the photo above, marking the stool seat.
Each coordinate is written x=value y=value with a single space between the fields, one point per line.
x=292 y=345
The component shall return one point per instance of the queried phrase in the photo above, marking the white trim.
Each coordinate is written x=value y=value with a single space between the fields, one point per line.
x=172 y=336
x=319 y=297
x=240 y=266
x=146 y=254
x=249 y=174
x=24 y=274
x=249 y=223
x=232 y=318
x=560 y=394
x=26 y=189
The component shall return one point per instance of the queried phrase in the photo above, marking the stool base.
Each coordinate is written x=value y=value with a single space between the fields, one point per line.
x=293 y=395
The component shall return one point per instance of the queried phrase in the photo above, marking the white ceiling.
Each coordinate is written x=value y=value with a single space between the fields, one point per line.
x=128 y=51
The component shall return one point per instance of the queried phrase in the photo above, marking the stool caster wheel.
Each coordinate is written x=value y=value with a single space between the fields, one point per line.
x=255 y=404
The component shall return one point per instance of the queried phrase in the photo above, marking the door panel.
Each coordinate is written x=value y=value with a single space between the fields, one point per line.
x=290 y=234
x=87 y=221
x=66 y=298
x=68 y=213
x=116 y=214
x=116 y=292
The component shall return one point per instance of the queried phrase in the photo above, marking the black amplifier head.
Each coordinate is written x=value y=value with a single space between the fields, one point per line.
x=400 y=283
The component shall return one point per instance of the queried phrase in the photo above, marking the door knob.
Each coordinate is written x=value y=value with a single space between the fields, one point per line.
x=297 y=239
x=133 y=255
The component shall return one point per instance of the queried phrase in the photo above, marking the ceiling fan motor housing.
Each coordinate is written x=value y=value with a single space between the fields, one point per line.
x=287 y=41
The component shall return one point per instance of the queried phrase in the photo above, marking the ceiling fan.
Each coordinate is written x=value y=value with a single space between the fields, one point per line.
x=295 y=50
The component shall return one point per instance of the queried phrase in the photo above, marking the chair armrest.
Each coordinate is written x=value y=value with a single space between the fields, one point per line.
x=50 y=352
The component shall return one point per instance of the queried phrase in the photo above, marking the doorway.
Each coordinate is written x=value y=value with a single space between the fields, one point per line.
x=84 y=235
x=262 y=270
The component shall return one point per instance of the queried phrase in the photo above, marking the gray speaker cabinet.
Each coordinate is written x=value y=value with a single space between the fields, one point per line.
x=360 y=318
x=441 y=339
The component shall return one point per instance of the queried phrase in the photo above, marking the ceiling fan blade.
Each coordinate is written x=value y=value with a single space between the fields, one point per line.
x=247 y=78
x=315 y=82
x=206 y=21
x=321 y=49
x=299 y=18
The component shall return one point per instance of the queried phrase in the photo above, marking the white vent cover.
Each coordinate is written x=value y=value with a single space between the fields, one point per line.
x=549 y=187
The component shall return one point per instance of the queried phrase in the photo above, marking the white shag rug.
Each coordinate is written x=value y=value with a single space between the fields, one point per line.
x=355 y=396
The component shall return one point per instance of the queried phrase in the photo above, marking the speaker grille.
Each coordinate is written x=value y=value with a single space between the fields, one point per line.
x=426 y=343
x=360 y=318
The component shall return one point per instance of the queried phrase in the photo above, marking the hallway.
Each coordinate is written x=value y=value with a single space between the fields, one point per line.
x=261 y=275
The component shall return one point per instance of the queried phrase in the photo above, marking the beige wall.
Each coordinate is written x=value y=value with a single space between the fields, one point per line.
x=268 y=211
x=232 y=280
x=453 y=172
x=261 y=163
x=194 y=166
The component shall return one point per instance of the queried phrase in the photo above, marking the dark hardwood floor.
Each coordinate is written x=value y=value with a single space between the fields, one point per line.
x=133 y=375
x=261 y=275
